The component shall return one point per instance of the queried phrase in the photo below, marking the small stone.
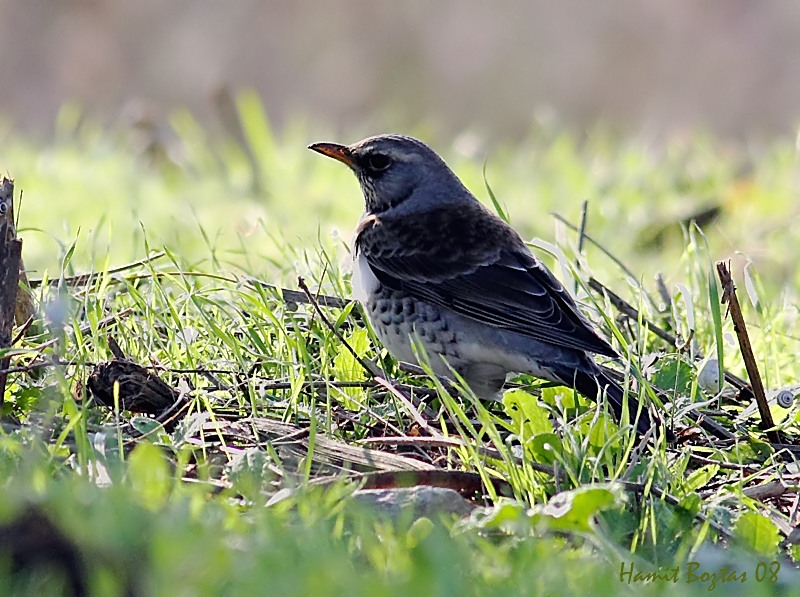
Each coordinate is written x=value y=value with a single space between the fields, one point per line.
x=424 y=500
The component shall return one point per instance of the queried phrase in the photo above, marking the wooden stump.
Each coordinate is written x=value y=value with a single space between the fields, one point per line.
x=10 y=260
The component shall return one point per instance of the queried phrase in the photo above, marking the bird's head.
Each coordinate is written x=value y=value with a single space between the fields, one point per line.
x=395 y=169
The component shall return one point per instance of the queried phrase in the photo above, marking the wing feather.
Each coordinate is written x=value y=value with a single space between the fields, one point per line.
x=470 y=261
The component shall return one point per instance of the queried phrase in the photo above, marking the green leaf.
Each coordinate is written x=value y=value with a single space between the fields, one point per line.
x=691 y=503
x=758 y=532
x=715 y=304
x=347 y=368
x=673 y=374
x=600 y=430
x=147 y=426
x=149 y=475
x=528 y=417
x=68 y=255
x=761 y=450
x=249 y=471
x=508 y=516
x=700 y=477
x=575 y=510
x=544 y=448
x=556 y=394
x=419 y=531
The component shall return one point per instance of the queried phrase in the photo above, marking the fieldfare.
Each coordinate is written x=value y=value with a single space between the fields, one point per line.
x=431 y=261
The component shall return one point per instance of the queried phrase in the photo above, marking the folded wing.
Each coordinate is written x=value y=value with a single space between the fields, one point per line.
x=470 y=261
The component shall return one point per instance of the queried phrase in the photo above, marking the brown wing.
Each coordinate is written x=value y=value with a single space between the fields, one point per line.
x=468 y=260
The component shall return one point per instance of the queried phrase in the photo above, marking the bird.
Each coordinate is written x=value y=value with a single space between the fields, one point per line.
x=433 y=266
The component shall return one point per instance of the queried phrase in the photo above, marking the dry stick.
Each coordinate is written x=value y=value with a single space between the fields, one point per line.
x=21 y=330
x=627 y=309
x=83 y=279
x=24 y=308
x=10 y=256
x=10 y=253
x=443 y=441
x=293 y=296
x=288 y=295
x=729 y=297
x=631 y=312
x=41 y=363
x=407 y=403
x=750 y=468
x=769 y=490
x=369 y=366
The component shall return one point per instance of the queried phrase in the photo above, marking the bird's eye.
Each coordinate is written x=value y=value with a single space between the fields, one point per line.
x=378 y=162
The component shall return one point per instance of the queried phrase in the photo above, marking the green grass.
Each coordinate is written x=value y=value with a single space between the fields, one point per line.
x=191 y=506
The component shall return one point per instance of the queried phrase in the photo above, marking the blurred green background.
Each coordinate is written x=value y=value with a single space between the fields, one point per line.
x=121 y=119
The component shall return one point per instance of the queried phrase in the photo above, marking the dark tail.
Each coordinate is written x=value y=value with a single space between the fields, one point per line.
x=599 y=383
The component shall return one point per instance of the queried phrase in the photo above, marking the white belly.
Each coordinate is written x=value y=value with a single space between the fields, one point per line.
x=364 y=282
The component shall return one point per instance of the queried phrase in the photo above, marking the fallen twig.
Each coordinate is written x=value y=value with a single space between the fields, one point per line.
x=734 y=466
x=327 y=450
x=631 y=312
x=769 y=490
x=83 y=279
x=22 y=330
x=455 y=442
x=43 y=363
x=368 y=365
x=287 y=295
x=585 y=236
x=415 y=414
x=305 y=297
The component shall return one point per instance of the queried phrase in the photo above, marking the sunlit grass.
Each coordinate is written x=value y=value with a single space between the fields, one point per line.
x=191 y=515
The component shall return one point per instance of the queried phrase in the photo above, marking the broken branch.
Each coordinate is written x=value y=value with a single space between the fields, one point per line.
x=729 y=298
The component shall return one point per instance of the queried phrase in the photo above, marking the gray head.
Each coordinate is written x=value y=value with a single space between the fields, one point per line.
x=395 y=169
